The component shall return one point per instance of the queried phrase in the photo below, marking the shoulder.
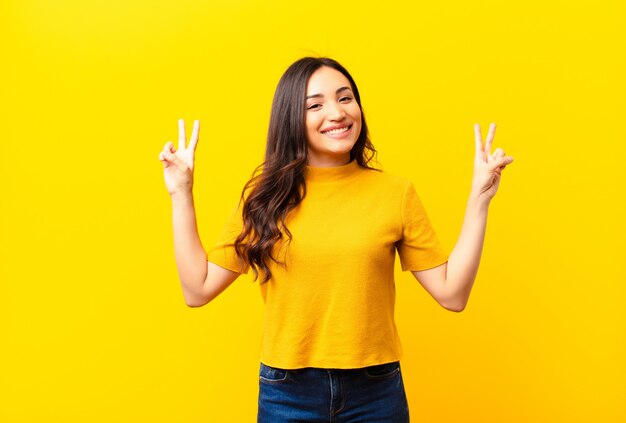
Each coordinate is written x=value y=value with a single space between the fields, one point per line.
x=389 y=181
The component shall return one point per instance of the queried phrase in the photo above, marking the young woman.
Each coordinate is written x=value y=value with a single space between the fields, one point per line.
x=320 y=228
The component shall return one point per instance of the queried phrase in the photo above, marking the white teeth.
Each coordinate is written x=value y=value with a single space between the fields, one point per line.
x=337 y=131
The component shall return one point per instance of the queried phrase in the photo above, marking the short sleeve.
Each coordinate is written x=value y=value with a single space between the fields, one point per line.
x=419 y=248
x=223 y=252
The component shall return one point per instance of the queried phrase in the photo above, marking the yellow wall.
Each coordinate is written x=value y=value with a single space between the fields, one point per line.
x=93 y=322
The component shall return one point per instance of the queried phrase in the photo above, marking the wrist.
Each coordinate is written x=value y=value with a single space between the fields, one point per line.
x=479 y=200
x=184 y=196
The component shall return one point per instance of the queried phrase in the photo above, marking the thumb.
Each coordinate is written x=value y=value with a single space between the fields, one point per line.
x=173 y=158
x=502 y=161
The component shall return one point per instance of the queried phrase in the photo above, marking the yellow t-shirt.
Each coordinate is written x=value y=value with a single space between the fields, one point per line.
x=333 y=306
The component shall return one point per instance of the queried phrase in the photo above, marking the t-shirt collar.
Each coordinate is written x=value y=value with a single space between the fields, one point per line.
x=330 y=174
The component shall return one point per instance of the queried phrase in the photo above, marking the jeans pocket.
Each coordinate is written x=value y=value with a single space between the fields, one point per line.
x=382 y=371
x=268 y=374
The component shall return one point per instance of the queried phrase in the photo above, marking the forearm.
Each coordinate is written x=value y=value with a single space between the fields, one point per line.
x=464 y=259
x=191 y=259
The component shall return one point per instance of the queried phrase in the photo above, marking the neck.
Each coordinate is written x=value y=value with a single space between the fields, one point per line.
x=328 y=161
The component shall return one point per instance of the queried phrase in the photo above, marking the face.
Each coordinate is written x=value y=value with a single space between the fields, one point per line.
x=333 y=118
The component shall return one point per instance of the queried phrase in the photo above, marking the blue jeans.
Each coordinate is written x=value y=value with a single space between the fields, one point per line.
x=369 y=394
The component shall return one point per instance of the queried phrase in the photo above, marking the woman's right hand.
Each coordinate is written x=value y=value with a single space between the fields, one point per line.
x=178 y=164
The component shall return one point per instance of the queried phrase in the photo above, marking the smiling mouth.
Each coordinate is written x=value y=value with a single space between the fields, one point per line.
x=338 y=131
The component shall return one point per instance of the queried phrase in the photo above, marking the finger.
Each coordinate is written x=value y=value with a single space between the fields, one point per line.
x=498 y=153
x=501 y=169
x=502 y=161
x=478 y=140
x=478 y=137
x=169 y=148
x=489 y=140
x=182 y=139
x=173 y=159
x=163 y=160
x=194 y=135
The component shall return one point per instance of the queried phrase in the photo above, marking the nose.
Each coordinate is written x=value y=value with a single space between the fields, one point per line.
x=336 y=112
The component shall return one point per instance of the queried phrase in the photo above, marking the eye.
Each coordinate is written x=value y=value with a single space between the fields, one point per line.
x=347 y=98
x=313 y=106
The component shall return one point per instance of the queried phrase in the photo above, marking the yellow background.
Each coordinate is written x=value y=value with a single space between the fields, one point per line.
x=93 y=322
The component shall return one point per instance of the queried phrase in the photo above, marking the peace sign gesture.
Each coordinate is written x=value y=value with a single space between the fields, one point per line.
x=178 y=164
x=487 y=167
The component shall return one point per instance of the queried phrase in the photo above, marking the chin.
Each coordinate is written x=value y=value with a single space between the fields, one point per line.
x=343 y=150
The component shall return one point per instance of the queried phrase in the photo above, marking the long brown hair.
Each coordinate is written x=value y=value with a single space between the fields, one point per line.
x=281 y=185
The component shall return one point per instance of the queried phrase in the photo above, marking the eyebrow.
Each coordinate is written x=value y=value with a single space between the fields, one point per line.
x=321 y=95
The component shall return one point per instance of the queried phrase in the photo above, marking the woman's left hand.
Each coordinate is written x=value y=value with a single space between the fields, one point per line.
x=487 y=167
